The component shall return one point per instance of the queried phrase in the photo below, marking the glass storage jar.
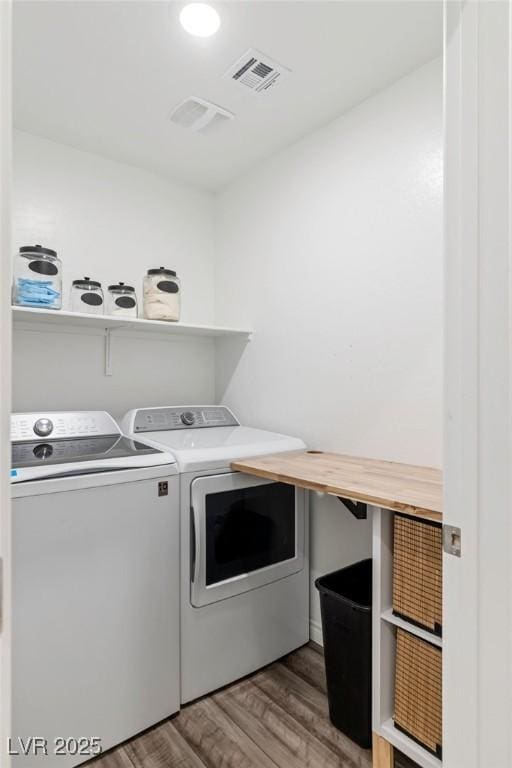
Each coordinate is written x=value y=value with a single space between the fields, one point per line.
x=122 y=300
x=87 y=296
x=37 y=278
x=162 y=294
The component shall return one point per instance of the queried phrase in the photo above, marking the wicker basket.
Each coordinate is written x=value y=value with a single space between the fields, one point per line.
x=418 y=691
x=418 y=572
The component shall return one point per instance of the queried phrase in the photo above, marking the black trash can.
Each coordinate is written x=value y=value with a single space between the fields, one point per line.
x=346 y=605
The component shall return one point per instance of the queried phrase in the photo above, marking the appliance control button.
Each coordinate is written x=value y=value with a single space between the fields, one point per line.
x=188 y=418
x=43 y=451
x=43 y=427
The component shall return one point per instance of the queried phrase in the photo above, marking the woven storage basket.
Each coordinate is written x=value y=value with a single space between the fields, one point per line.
x=418 y=691
x=418 y=572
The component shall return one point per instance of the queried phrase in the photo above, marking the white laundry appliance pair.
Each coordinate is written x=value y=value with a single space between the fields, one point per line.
x=243 y=542
x=145 y=572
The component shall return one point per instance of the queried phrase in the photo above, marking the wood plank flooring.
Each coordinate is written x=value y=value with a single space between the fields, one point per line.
x=276 y=718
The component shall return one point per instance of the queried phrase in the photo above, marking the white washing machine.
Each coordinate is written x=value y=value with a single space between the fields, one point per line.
x=95 y=554
x=244 y=546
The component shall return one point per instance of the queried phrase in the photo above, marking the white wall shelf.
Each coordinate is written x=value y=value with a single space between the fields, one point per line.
x=424 y=634
x=29 y=318
x=51 y=318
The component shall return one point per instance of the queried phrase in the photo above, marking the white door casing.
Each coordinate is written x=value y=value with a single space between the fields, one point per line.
x=5 y=368
x=477 y=645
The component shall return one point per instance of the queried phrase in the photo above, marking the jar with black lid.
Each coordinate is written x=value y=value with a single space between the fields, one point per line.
x=162 y=294
x=87 y=296
x=122 y=300
x=37 y=278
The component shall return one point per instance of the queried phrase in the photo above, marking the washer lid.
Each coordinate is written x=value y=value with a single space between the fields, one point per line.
x=45 y=459
x=80 y=449
x=217 y=447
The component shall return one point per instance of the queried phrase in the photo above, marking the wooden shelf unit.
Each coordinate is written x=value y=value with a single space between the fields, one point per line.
x=388 y=487
x=385 y=625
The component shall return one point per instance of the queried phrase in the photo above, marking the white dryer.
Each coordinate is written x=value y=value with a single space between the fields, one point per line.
x=244 y=545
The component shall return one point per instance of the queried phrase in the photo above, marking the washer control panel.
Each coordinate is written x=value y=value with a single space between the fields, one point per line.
x=61 y=425
x=186 y=417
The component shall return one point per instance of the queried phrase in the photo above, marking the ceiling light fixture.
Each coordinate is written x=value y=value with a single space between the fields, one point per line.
x=200 y=19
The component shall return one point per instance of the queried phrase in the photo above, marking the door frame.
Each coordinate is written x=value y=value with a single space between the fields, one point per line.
x=477 y=625
x=478 y=497
x=5 y=371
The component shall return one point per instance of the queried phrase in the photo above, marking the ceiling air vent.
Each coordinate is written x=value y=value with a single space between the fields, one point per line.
x=256 y=72
x=199 y=115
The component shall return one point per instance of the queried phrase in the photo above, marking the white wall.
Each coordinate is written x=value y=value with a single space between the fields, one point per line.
x=332 y=251
x=111 y=222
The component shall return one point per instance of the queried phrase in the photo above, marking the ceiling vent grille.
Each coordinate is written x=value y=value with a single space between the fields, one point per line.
x=256 y=72
x=199 y=115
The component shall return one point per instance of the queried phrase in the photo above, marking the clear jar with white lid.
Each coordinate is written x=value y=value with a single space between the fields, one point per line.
x=162 y=295
x=87 y=296
x=122 y=300
x=37 y=278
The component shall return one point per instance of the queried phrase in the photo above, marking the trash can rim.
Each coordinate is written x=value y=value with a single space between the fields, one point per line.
x=347 y=600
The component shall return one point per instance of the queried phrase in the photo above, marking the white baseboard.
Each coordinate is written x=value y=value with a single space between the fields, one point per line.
x=315 y=632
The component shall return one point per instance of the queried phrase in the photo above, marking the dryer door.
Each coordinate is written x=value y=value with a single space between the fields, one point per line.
x=246 y=532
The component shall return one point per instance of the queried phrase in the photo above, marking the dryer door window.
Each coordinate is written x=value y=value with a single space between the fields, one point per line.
x=247 y=529
x=246 y=532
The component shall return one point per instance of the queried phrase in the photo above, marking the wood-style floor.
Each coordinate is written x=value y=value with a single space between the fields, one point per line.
x=277 y=718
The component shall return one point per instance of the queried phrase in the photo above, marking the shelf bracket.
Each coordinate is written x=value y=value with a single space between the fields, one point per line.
x=108 y=352
x=358 y=508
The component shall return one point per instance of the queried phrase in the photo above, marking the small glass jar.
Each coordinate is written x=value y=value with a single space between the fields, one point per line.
x=87 y=296
x=122 y=300
x=37 y=278
x=162 y=295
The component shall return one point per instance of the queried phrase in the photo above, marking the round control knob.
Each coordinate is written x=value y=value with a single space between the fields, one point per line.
x=188 y=418
x=43 y=451
x=43 y=427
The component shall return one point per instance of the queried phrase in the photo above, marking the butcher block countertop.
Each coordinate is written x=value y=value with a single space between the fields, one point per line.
x=400 y=487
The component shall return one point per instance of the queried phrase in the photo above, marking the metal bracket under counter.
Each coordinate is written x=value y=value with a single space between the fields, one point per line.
x=358 y=508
